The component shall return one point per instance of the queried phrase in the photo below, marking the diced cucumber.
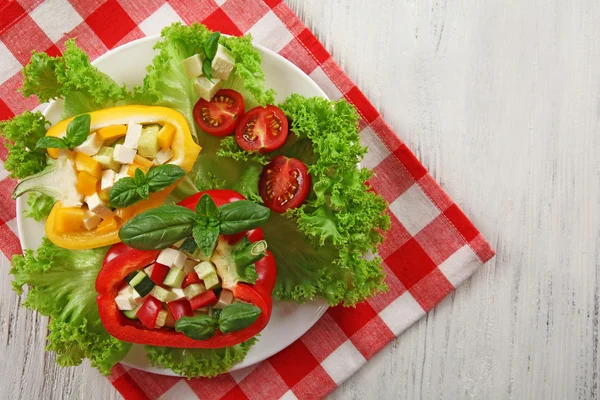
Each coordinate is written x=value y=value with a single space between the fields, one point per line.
x=131 y=314
x=179 y=293
x=161 y=318
x=129 y=277
x=144 y=286
x=174 y=278
x=137 y=278
x=177 y=245
x=148 y=142
x=214 y=312
x=106 y=160
x=194 y=290
x=205 y=268
x=162 y=294
x=211 y=281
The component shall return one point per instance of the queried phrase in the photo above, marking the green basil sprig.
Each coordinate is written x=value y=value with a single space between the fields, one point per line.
x=198 y=327
x=238 y=316
x=128 y=191
x=210 y=50
x=158 y=228
x=77 y=131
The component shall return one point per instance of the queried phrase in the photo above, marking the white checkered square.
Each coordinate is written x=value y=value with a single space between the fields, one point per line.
x=240 y=374
x=401 y=313
x=289 y=395
x=55 y=18
x=3 y=172
x=180 y=390
x=160 y=18
x=343 y=362
x=460 y=265
x=321 y=79
x=414 y=209
x=9 y=65
x=377 y=150
x=270 y=32
x=12 y=225
x=220 y=2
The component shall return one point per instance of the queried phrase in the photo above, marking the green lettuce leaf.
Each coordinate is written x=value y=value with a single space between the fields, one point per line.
x=21 y=134
x=61 y=286
x=39 y=205
x=193 y=363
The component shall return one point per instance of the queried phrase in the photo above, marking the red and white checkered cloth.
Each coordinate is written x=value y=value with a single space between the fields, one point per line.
x=432 y=246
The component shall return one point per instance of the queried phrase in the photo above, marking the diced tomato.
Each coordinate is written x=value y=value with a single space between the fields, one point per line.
x=148 y=312
x=190 y=278
x=170 y=321
x=207 y=298
x=159 y=272
x=180 y=308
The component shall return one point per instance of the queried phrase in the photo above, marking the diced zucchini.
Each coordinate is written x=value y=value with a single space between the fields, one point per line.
x=194 y=290
x=205 y=268
x=129 y=277
x=106 y=160
x=131 y=314
x=161 y=318
x=174 y=278
x=144 y=286
x=162 y=294
x=137 y=278
x=179 y=293
x=211 y=281
x=148 y=142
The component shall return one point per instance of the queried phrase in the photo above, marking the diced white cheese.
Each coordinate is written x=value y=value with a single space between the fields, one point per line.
x=91 y=220
x=171 y=258
x=225 y=299
x=223 y=63
x=123 y=154
x=161 y=318
x=179 y=293
x=205 y=88
x=163 y=156
x=108 y=179
x=91 y=145
x=132 y=137
x=97 y=206
x=148 y=270
x=192 y=66
x=125 y=300
x=137 y=299
x=121 y=176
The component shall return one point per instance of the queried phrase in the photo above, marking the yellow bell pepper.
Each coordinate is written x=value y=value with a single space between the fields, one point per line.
x=86 y=183
x=184 y=149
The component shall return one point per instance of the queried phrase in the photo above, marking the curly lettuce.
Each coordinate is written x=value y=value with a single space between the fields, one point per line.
x=61 y=286
x=21 y=134
x=39 y=205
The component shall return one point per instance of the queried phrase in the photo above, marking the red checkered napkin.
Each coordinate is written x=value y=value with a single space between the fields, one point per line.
x=432 y=246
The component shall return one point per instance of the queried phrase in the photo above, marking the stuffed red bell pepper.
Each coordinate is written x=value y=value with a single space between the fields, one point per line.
x=196 y=275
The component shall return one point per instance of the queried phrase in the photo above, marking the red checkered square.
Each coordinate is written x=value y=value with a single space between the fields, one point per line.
x=435 y=193
x=129 y=388
x=153 y=385
x=296 y=354
x=315 y=385
x=410 y=263
x=212 y=389
x=10 y=241
x=324 y=337
x=111 y=23
x=219 y=21
x=395 y=289
x=5 y=111
x=430 y=290
x=296 y=53
x=86 y=7
x=53 y=51
x=351 y=320
x=316 y=49
x=461 y=222
x=28 y=5
x=386 y=134
x=3 y=150
x=10 y=14
x=372 y=337
x=117 y=371
x=272 y=3
x=391 y=179
x=429 y=239
x=395 y=237
x=254 y=385
x=362 y=104
x=482 y=248
x=197 y=13
x=245 y=13
x=21 y=49
x=412 y=164
x=8 y=210
x=136 y=33
x=339 y=77
x=17 y=103
x=86 y=39
x=140 y=10
x=287 y=16
x=235 y=394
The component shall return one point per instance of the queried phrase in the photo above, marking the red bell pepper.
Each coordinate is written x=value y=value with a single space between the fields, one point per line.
x=159 y=273
x=190 y=278
x=205 y=299
x=148 y=312
x=180 y=308
x=121 y=260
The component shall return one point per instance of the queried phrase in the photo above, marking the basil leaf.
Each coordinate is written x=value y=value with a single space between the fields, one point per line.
x=207 y=69
x=241 y=216
x=144 y=191
x=158 y=228
x=78 y=130
x=206 y=238
x=238 y=316
x=211 y=45
x=124 y=193
x=198 y=327
x=163 y=176
x=50 y=142
x=206 y=207
x=189 y=245
x=138 y=177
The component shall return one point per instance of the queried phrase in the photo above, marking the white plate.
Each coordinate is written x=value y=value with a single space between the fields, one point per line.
x=289 y=321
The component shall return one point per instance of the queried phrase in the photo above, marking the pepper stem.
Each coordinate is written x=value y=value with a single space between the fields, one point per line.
x=246 y=253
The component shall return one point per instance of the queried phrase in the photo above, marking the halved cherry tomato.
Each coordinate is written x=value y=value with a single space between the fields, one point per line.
x=284 y=183
x=218 y=116
x=262 y=129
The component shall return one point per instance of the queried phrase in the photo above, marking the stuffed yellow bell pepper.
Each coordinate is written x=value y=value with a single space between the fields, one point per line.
x=89 y=157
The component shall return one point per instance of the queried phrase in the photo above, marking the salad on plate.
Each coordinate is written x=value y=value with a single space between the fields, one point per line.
x=177 y=212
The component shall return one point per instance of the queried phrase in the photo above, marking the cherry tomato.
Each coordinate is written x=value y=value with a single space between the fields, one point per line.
x=284 y=183
x=262 y=129
x=218 y=116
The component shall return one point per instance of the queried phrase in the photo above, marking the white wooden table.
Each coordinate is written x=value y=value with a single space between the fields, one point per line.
x=501 y=101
